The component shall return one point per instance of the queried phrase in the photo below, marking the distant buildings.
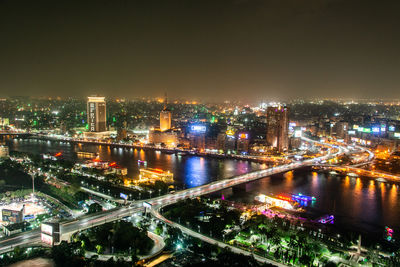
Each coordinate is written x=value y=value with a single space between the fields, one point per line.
x=277 y=128
x=341 y=129
x=243 y=141
x=168 y=138
x=164 y=135
x=4 y=151
x=96 y=114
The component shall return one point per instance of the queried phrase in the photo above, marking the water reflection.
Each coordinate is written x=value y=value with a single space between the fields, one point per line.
x=355 y=201
x=188 y=170
x=195 y=172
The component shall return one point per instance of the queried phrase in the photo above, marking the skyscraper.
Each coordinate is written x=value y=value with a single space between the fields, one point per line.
x=277 y=127
x=165 y=118
x=96 y=112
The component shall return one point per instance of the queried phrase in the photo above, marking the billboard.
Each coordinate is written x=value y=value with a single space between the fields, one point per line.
x=50 y=233
x=92 y=117
x=375 y=129
x=230 y=133
x=47 y=239
x=47 y=229
x=198 y=128
x=13 y=216
x=243 y=136
x=29 y=217
x=122 y=195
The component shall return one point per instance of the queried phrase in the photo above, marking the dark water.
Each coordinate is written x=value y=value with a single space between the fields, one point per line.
x=360 y=202
x=357 y=202
x=188 y=170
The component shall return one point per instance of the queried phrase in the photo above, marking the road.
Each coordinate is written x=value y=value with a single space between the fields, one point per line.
x=156 y=213
x=68 y=228
x=104 y=196
x=157 y=248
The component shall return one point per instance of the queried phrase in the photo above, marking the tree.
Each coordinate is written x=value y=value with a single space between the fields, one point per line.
x=94 y=208
x=276 y=240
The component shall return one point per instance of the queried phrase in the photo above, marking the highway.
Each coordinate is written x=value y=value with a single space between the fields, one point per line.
x=156 y=213
x=87 y=221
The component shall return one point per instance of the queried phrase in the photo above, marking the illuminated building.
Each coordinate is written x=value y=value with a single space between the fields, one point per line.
x=148 y=175
x=165 y=118
x=15 y=228
x=242 y=144
x=197 y=136
x=278 y=127
x=4 y=151
x=168 y=138
x=341 y=129
x=275 y=201
x=96 y=114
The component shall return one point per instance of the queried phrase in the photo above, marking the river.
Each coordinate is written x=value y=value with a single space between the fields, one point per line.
x=358 y=202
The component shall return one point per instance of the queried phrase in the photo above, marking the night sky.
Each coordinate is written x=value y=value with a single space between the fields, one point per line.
x=250 y=50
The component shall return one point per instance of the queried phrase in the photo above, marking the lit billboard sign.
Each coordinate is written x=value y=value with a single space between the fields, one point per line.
x=198 y=128
x=397 y=135
x=392 y=128
x=297 y=133
x=13 y=216
x=230 y=133
x=366 y=130
x=375 y=129
x=244 y=136
x=92 y=116
x=122 y=195
x=47 y=239
x=29 y=217
x=355 y=127
x=352 y=132
x=47 y=229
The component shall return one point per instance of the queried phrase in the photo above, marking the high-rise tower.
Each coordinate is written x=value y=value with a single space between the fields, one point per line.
x=165 y=117
x=96 y=112
x=277 y=127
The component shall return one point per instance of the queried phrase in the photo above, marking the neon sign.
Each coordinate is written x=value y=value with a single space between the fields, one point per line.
x=198 y=128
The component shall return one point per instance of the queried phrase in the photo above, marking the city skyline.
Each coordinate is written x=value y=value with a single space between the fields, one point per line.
x=207 y=50
x=193 y=133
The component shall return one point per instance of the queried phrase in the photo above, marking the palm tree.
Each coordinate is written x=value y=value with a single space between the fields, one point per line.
x=294 y=243
x=276 y=240
x=270 y=233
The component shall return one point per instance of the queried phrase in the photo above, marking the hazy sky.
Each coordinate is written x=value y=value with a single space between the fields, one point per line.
x=204 y=49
